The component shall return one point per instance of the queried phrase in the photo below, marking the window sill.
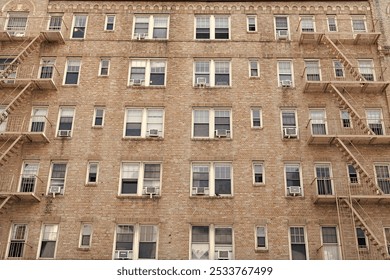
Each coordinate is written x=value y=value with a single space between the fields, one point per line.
x=104 y=76
x=63 y=138
x=126 y=138
x=213 y=139
x=211 y=197
x=211 y=40
x=91 y=185
x=295 y=197
x=211 y=87
x=150 y=40
x=265 y=250
x=254 y=78
x=257 y=128
x=83 y=249
x=146 y=87
x=259 y=185
x=137 y=196
x=97 y=127
x=70 y=85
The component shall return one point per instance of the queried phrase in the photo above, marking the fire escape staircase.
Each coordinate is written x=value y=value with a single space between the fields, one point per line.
x=363 y=220
x=10 y=150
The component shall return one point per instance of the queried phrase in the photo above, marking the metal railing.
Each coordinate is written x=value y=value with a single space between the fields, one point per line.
x=318 y=74
x=27 y=124
x=7 y=183
x=28 y=72
x=344 y=26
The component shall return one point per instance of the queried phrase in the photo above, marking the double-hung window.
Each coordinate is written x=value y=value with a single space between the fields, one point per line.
x=203 y=247
x=332 y=23
x=281 y=27
x=359 y=24
x=251 y=23
x=17 y=23
x=298 y=243
x=140 y=178
x=46 y=69
x=382 y=172
x=151 y=27
x=289 y=124
x=324 y=179
x=312 y=69
x=212 y=179
x=387 y=239
x=28 y=178
x=85 y=236
x=293 y=179
x=346 y=121
x=254 y=68
x=92 y=172
x=134 y=242
x=72 y=71
x=104 y=67
x=65 y=122
x=307 y=24
x=375 y=121
x=48 y=242
x=256 y=118
x=57 y=178
x=147 y=72
x=261 y=238
x=366 y=69
x=212 y=27
x=330 y=243
x=212 y=123
x=213 y=73
x=258 y=173
x=318 y=122
x=338 y=69
x=110 y=23
x=55 y=22
x=144 y=122
x=98 y=117
x=361 y=237
x=38 y=119
x=352 y=175
x=285 y=73
x=79 y=26
x=17 y=241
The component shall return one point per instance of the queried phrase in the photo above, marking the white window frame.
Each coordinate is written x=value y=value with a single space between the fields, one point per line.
x=47 y=62
x=23 y=174
x=367 y=247
x=257 y=68
x=148 y=71
x=211 y=123
x=95 y=116
x=350 y=122
x=87 y=181
x=257 y=248
x=260 y=117
x=59 y=119
x=19 y=14
x=75 y=60
x=335 y=23
x=12 y=239
x=141 y=177
x=102 y=66
x=42 y=240
x=338 y=245
x=387 y=186
x=279 y=72
x=286 y=190
x=212 y=72
x=367 y=70
x=321 y=121
x=36 y=120
x=3 y=125
x=213 y=27
x=136 y=239
x=387 y=238
x=330 y=178
x=349 y=176
x=62 y=192
x=212 y=246
x=254 y=164
x=307 y=17
x=73 y=27
x=106 y=22
x=375 y=121
x=55 y=27
x=144 y=122
x=151 y=26
x=305 y=241
x=285 y=127
x=277 y=29
x=362 y=18
x=248 y=17
x=82 y=234
x=212 y=177
x=314 y=70
x=337 y=69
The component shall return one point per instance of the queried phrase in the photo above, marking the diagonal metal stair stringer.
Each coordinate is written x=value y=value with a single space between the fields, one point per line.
x=10 y=150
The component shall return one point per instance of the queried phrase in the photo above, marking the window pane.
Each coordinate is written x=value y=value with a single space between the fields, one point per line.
x=200 y=234
x=223 y=236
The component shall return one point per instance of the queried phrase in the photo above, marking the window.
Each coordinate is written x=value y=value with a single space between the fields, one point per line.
x=212 y=73
x=144 y=122
x=352 y=174
x=151 y=27
x=65 y=122
x=387 y=239
x=16 y=23
x=211 y=123
x=110 y=23
x=338 y=69
x=359 y=24
x=72 y=71
x=104 y=67
x=298 y=243
x=3 y=124
x=92 y=173
x=4 y=64
x=375 y=121
x=258 y=173
x=366 y=69
x=17 y=241
x=212 y=27
x=281 y=27
x=254 y=68
x=212 y=179
x=85 y=236
x=55 y=23
x=48 y=242
x=252 y=23
x=293 y=179
x=330 y=244
x=332 y=24
x=79 y=26
x=312 y=68
x=136 y=242
x=382 y=172
x=38 y=119
x=57 y=178
x=202 y=247
x=147 y=72
x=98 y=117
x=318 y=122
x=307 y=24
x=285 y=78
x=28 y=178
x=256 y=115
x=46 y=69
x=361 y=239
x=261 y=238
x=324 y=179
x=140 y=178
x=345 y=119
x=289 y=124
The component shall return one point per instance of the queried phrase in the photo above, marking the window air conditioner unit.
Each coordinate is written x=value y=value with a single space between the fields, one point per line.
x=55 y=189
x=286 y=83
x=18 y=33
x=137 y=82
x=290 y=132
x=150 y=190
x=123 y=255
x=153 y=133
x=64 y=133
x=140 y=36
x=201 y=82
x=223 y=255
x=294 y=190
x=200 y=190
x=221 y=132
x=282 y=34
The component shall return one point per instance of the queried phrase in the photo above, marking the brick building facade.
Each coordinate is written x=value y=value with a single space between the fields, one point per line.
x=194 y=130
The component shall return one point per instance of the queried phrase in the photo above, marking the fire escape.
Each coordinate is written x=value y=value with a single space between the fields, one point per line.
x=343 y=80
x=20 y=81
